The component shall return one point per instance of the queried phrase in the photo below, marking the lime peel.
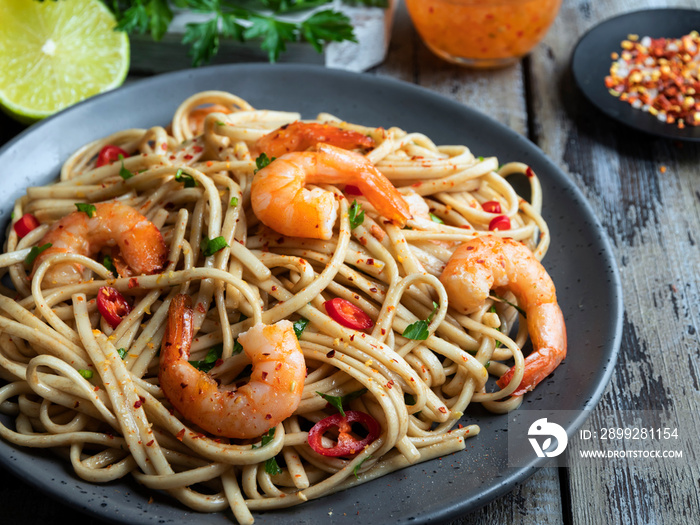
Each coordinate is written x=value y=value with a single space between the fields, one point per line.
x=55 y=54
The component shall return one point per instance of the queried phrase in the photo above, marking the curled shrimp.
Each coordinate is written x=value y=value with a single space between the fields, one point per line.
x=281 y=201
x=300 y=136
x=271 y=395
x=112 y=224
x=491 y=262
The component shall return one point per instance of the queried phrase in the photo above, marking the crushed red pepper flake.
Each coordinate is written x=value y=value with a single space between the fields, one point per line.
x=660 y=76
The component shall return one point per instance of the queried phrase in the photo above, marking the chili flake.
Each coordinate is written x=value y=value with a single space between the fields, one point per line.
x=660 y=76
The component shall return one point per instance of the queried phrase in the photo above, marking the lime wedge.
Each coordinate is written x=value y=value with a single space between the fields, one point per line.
x=56 y=53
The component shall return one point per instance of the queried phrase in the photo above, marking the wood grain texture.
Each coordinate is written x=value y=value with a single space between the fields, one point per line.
x=646 y=192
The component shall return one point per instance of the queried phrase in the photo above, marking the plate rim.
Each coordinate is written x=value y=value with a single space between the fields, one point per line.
x=509 y=481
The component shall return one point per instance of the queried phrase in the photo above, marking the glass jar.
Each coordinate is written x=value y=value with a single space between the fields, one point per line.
x=482 y=33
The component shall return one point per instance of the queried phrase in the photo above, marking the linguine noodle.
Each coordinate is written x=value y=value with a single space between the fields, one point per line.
x=74 y=383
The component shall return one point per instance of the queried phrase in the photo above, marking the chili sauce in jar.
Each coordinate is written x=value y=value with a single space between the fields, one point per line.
x=482 y=33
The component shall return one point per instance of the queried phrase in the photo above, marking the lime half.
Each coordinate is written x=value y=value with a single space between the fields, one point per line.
x=56 y=53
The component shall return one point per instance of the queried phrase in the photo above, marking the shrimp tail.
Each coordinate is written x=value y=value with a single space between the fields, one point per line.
x=547 y=330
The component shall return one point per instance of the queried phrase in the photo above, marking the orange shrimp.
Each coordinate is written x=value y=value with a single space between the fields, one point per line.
x=491 y=262
x=300 y=136
x=281 y=201
x=139 y=241
x=271 y=395
x=197 y=116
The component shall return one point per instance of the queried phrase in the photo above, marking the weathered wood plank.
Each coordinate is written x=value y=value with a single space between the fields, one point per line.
x=646 y=192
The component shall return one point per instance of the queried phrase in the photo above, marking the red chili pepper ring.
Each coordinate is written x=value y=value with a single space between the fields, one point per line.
x=112 y=305
x=347 y=314
x=347 y=444
x=109 y=154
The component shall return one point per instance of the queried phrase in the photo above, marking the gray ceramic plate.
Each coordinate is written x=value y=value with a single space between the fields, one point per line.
x=580 y=262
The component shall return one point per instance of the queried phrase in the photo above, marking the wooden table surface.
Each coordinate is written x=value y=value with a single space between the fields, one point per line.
x=646 y=193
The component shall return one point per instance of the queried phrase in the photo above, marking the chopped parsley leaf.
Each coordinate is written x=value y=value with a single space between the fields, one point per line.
x=300 y=326
x=418 y=331
x=213 y=355
x=34 y=253
x=339 y=401
x=89 y=209
x=356 y=215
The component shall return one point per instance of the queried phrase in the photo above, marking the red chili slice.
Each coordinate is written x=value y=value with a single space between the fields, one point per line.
x=26 y=224
x=502 y=222
x=347 y=314
x=109 y=154
x=492 y=206
x=112 y=305
x=352 y=190
x=347 y=445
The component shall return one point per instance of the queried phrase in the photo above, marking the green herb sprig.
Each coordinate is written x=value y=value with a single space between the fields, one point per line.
x=339 y=401
x=418 y=331
x=502 y=300
x=88 y=209
x=34 y=253
x=213 y=355
x=300 y=326
x=271 y=466
x=356 y=215
x=244 y=20
x=108 y=263
x=262 y=161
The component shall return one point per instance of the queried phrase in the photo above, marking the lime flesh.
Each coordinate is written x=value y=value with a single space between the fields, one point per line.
x=54 y=54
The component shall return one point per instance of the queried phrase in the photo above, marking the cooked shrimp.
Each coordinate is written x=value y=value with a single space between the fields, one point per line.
x=112 y=224
x=281 y=201
x=197 y=116
x=491 y=262
x=300 y=136
x=271 y=395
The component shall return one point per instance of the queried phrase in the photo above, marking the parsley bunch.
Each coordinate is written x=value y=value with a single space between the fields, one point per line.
x=242 y=20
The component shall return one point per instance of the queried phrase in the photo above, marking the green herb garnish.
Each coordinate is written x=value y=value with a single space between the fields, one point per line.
x=122 y=353
x=123 y=172
x=356 y=470
x=262 y=162
x=419 y=330
x=271 y=466
x=339 y=401
x=211 y=246
x=213 y=355
x=500 y=299
x=243 y=20
x=234 y=201
x=34 y=253
x=89 y=209
x=437 y=219
x=300 y=326
x=356 y=215
x=87 y=374
x=187 y=180
x=108 y=263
